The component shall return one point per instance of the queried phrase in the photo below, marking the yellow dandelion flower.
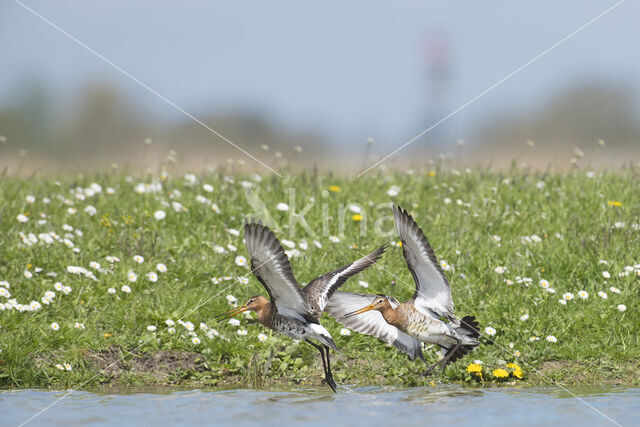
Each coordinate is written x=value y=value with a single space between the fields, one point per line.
x=357 y=217
x=474 y=368
x=517 y=371
x=106 y=335
x=335 y=189
x=432 y=173
x=614 y=203
x=500 y=373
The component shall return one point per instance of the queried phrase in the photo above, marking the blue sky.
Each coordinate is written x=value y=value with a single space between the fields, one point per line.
x=351 y=69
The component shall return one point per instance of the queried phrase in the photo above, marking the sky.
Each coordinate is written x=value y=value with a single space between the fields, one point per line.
x=351 y=70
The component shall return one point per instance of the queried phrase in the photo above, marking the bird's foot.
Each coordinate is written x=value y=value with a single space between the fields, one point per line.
x=331 y=383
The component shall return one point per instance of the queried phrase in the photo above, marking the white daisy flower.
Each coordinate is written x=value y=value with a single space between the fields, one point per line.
x=393 y=191
x=159 y=215
x=27 y=274
x=234 y=322
x=500 y=270
x=288 y=243
x=152 y=276
x=568 y=296
x=112 y=259
x=195 y=340
x=161 y=268
x=363 y=284
x=219 y=249
x=615 y=290
x=334 y=239
x=489 y=330
x=151 y=328
x=126 y=289
x=132 y=276
x=551 y=338
x=562 y=301
x=606 y=274
x=111 y=291
x=622 y=307
x=524 y=317
x=90 y=210
x=169 y=322
x=544 y=283
x=55 y=326
x=345 y=332
x=583 y=294
x=242 y=332
x=283 y=207
x=67 y=367
x=139 y=259
x=22 y=218
x=208 y=188
x=262 y=337
x=233 y=231
x=602 y=295
x=243 y=280
x=231 y=299
x=241 y=261
x=444 y=265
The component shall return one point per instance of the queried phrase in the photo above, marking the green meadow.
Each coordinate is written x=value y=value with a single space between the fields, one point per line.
x=115 y=279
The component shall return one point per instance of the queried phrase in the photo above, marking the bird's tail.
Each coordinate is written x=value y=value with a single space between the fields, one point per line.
x=321 y=334
x=469 y=330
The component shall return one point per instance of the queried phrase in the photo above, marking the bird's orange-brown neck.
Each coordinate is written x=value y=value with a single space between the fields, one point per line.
x=263 y=310
x=395 y=317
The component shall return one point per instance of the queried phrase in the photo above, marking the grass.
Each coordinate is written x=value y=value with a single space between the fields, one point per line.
x=574 y=217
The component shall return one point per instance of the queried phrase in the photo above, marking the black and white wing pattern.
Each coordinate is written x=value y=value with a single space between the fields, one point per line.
x=371 y=322
x=433 y=294
x=319 y=291
x=270 y=265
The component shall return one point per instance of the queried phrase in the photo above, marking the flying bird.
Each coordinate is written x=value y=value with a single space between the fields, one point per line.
x=292 y=310
x=428 y=317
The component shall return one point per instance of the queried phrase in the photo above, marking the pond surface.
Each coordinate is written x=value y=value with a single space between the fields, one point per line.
x=366 y=406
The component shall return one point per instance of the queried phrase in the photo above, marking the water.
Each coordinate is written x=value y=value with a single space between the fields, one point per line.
x=368 y=406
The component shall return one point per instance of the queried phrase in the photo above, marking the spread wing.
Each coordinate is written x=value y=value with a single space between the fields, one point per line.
x=320 y=290
x=271 y=266
x=371 y=322
x=433 y=294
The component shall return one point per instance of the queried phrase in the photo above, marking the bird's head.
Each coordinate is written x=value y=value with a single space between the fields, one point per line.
x=380 y=303
x=255 y=303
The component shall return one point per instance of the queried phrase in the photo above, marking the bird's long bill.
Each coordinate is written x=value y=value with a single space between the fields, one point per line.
x=360 y=311
x=232 y=313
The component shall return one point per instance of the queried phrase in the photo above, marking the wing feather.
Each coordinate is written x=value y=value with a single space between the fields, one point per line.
x=433 y=293
x=371 y=322
x=271 y=266
x=320 y=290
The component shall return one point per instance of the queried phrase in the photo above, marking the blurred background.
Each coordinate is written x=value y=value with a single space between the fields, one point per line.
x=346 y=82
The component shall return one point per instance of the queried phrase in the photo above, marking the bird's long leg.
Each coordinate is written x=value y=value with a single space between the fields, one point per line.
x=448 y=356
x=324 y=365
x=442 y=362
x=329 y=374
